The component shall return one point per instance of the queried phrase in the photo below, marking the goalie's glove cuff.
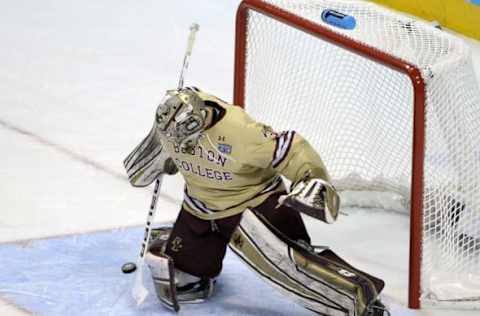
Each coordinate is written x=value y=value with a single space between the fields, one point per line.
x=314 y=197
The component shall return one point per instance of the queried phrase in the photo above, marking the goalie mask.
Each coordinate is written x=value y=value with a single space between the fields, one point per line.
x=181 y=116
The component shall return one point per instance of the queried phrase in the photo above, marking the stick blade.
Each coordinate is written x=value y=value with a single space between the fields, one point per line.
x=139 y=294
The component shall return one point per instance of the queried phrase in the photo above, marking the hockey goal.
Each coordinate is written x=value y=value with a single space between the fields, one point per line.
x=392 y=105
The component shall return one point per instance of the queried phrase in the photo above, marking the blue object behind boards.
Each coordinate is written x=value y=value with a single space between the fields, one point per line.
x=81 y=275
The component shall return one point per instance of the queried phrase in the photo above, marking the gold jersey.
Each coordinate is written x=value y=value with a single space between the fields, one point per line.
x=238 y=163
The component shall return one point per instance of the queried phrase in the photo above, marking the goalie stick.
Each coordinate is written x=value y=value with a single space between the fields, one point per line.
x=139 y=292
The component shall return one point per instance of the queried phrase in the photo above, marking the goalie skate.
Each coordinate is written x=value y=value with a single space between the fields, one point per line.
x=173 y=286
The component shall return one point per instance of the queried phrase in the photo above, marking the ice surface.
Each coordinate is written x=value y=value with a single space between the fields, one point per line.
x=79 y=85
x=80 y=275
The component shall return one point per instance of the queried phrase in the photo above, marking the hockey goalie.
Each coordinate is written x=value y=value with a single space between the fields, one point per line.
x=235 y=195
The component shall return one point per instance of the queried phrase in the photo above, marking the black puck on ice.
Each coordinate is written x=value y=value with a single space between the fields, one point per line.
x=129 y=267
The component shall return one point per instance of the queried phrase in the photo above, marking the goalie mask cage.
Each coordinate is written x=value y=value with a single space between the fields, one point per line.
x=392 y=106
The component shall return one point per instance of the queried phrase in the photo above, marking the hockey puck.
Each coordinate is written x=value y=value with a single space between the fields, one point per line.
x=129 y=267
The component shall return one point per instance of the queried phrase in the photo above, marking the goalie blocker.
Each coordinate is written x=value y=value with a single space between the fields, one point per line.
x=314 y=277
x=314 y=197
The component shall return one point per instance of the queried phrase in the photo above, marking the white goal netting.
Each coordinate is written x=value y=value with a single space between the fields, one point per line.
x=358 y=114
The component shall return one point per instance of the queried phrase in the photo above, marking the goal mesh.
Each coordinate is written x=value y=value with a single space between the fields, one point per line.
x=358 y=113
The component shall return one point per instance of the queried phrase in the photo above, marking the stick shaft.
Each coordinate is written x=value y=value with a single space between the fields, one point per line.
x=186 y=59
x=139 y=292
x=151 y=216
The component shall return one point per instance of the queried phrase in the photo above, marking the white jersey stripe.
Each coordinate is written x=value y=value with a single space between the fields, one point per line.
x=199 y=206
x=284 y=144
x=280 y=142
x=196 y=205
x=276 y=181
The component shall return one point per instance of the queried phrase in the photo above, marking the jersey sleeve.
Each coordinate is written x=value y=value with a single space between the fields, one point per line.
x=295 y=158
x=288 y=152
